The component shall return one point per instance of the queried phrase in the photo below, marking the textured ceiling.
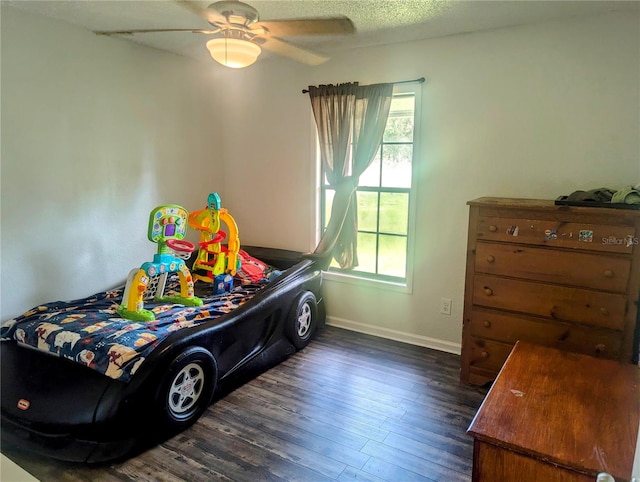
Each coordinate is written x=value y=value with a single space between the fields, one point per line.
x=377 y=22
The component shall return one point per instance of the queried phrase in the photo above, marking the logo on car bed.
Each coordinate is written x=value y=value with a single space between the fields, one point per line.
x=23 y=404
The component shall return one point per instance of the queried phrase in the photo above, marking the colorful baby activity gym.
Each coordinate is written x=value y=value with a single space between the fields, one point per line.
x=217 y=263
x=167 y=228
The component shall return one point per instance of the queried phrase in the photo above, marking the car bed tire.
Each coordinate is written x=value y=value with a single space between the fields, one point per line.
x=187 y=388
x=302 y=320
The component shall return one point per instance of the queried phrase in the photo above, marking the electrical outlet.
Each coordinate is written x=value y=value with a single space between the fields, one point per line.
x=445 y=306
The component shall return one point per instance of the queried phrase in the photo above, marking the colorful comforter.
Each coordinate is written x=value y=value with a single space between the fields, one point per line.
x=89 y=330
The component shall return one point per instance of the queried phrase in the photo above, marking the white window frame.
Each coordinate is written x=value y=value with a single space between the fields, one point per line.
x=354 y=277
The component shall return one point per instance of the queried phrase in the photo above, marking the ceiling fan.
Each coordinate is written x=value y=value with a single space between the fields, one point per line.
x=240 y=35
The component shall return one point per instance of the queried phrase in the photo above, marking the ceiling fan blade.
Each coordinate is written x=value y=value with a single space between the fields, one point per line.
x=152 y=30
x=294 y=52
x=307 y=26
x=194 y=7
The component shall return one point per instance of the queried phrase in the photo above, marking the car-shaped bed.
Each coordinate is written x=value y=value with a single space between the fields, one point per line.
x=71 y=407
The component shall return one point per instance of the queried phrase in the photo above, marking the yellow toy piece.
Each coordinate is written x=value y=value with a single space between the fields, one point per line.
x=218 y=262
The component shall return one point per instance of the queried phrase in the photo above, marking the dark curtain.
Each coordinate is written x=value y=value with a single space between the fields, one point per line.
x=350 y=120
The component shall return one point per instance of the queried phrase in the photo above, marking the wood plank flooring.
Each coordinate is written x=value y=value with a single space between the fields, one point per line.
x=349 y=407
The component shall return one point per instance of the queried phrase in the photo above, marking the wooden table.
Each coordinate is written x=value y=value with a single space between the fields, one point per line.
x=557 y=416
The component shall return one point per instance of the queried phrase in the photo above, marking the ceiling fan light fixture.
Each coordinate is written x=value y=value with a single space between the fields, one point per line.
x=233 y=52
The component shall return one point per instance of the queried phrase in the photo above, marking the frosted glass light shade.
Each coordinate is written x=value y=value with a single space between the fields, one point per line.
x=233 y=52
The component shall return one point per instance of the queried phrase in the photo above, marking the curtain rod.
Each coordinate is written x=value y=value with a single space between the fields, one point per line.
x=420 y=81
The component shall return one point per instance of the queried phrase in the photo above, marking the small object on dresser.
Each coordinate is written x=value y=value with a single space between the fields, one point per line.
x=626 y=198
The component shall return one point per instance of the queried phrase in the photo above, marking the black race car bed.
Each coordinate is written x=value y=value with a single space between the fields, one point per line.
x=79 y=383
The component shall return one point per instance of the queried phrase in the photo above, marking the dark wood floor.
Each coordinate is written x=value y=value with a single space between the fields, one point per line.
x=348 y=407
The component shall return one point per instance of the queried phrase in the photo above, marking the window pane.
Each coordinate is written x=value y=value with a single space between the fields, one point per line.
x=367 y=211
x=328 y=202
x=371 y=176
x=394 y=209
x=392 y=256
x=400 y=122
x=366 y=253
x=396 y=165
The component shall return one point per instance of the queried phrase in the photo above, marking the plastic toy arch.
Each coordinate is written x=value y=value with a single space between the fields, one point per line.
x=167 y=225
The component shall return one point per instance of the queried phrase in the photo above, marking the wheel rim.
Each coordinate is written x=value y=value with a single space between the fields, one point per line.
x=186 y=388
x=303 y=324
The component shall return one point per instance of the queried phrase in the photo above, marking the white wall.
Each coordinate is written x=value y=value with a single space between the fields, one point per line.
x=270 y=155
x=533 y=111
x=96 y=132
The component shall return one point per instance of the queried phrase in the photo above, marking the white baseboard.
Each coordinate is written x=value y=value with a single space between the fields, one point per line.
x=410 y=338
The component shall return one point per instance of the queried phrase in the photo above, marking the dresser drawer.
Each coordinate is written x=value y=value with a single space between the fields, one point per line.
x=486 y=354
x=606 y=310
x=596 y=271
x=592 y=237
x=568 y=336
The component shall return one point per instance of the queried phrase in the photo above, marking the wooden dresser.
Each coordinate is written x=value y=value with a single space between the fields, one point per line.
x=553 y=415
x=560 y=276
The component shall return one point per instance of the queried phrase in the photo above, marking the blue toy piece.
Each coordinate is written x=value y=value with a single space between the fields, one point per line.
x=222 y=284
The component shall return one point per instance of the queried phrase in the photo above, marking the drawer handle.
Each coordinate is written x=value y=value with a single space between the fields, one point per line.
x=490 y=259
x=488 y=291
x=484 y=354
x=600 y=348
x=604 y=311
x=493 y=228
x=608 y=273
x=487 y=324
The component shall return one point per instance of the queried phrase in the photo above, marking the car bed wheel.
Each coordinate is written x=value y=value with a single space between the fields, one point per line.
x=188 y=387
x=301 y=324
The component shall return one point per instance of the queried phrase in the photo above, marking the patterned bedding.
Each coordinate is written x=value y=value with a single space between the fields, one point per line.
x=89 y=330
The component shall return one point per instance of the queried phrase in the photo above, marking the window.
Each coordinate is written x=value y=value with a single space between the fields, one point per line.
x=385 y=199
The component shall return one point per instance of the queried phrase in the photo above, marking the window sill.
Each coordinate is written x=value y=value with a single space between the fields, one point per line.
x=367 y=282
